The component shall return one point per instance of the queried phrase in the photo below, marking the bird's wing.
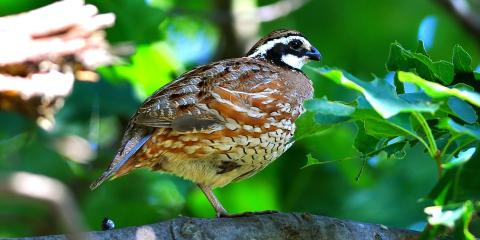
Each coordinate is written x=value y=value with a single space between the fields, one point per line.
x=188 y=103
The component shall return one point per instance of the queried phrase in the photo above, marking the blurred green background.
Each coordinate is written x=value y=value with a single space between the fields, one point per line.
x=172 y=36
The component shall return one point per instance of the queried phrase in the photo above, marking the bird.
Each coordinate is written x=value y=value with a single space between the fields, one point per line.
x=224 y=121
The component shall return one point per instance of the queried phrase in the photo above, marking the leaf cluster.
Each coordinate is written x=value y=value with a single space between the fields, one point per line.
x=426 y=102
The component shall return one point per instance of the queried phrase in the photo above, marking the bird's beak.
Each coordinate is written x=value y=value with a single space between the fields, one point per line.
x=314 y=54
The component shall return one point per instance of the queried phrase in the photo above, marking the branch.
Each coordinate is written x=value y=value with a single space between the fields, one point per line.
x=47 y=190
x=269 y=226
x=42 y=51
x=279 y=9
x=462 y=10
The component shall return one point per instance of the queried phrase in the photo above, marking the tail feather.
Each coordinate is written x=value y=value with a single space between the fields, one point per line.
x=119 y=161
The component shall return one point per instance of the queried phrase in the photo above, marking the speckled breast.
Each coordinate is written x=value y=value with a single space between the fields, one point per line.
x=222 y=156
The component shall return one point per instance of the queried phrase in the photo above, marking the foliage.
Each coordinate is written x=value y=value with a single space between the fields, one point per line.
x=393 y=119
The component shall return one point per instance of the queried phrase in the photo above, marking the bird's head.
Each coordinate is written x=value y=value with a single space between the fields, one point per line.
x=285 y=48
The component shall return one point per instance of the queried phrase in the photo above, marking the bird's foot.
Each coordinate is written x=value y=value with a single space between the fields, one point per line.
x=245 y=214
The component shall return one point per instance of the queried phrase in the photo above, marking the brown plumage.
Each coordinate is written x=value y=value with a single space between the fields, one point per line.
x=224 y=121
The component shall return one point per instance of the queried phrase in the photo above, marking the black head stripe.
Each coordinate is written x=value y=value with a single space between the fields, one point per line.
x=279 y=50
x=275 y=53
x=274 y=35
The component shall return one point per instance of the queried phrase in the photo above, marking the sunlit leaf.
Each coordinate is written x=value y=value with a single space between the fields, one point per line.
x=447 y=217
x=462 y=158
x=379 y=93
x=470 y=130
x=457 y=217
x=436 y=90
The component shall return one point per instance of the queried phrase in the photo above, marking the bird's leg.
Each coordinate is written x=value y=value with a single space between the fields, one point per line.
x=221 y=212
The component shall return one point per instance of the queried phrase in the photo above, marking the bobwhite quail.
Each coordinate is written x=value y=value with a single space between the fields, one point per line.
x=224 y=121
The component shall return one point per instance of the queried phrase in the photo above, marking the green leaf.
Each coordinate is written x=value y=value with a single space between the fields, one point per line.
x=311 y=161
x=462 y=158
x=328 y=112
x=453 y=216
x=452 y=126
x=421 y=48
x=444 y=71
x=308 y=127
x=394 y=149
x=436 y=90
x=462 y=110
x=399 y=125
x=329 y=107
x=439 y=215
x=364 y=143
x=461 y=60
x=462 y=230
x=387 y=150
x=376 y=126
x=379 y=93
x=400 y=59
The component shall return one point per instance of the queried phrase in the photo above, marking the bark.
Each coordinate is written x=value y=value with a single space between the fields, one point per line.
x=268 y=226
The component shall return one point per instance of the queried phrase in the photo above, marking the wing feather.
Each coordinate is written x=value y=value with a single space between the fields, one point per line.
x=181 y=104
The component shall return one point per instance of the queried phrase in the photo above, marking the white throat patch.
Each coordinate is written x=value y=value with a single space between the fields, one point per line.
x=294 y=61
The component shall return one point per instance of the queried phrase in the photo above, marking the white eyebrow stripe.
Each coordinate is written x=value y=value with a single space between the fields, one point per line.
x=263 y=49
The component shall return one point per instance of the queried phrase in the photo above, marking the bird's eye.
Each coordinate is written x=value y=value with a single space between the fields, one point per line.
x=296 y=44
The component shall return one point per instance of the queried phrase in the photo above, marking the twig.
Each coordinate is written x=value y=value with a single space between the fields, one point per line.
x=47 y=190
x=279 y=9
x=462 y=10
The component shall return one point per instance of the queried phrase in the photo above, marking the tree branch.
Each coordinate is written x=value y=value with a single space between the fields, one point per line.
x=46 y=190
x=42 y=52
x=269 y=226
x=462 y=10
